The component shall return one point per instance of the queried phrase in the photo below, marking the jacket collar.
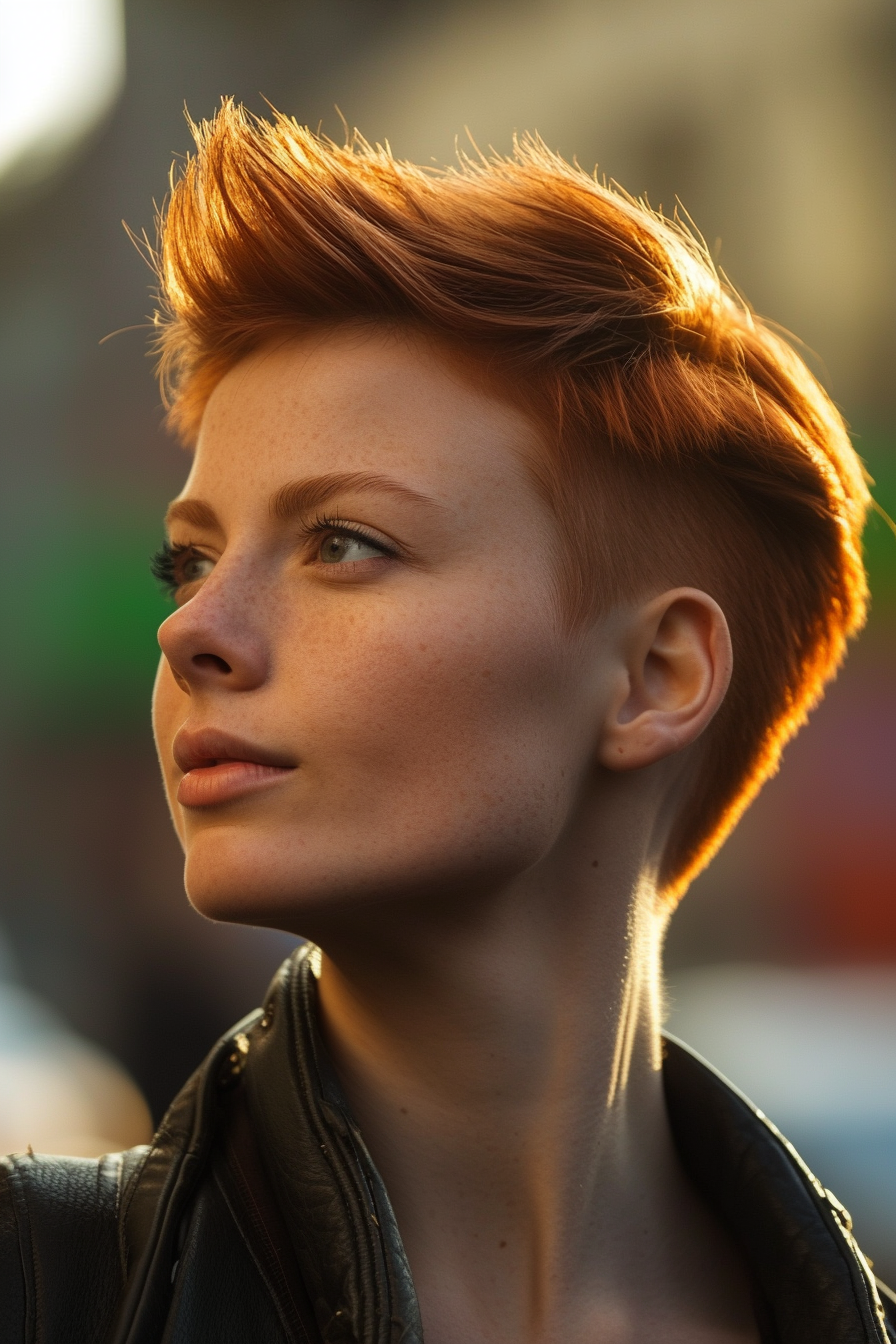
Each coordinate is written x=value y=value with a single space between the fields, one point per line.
x=335 y=1207
x=811 y=1280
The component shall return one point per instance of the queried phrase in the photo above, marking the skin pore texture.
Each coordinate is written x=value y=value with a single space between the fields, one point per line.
x=376 y=732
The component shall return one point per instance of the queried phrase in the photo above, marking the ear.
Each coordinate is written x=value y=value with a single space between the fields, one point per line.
x=674 y=665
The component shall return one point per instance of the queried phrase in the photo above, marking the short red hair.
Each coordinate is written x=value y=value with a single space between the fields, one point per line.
x=685 y=442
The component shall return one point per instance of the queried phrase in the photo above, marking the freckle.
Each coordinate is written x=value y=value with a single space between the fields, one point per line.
x=594 y=863
x=501 y=1245
x=486 y=672
x=423 y=648
x=404 y=1110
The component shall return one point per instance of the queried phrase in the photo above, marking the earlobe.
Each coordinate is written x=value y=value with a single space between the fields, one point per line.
x=675 y=652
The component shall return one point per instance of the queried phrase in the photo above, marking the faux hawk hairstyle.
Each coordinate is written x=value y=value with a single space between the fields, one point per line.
x=685 y=442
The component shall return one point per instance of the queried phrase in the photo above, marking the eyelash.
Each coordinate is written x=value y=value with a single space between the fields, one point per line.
x=322 y=525
x=164 y=563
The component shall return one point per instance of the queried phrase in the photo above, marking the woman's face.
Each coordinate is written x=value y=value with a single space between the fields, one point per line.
x=365 y=692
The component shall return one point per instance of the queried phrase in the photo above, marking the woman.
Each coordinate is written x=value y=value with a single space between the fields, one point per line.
x=512 y=551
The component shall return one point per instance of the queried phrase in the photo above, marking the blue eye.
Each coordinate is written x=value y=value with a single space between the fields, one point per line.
x=345 y=547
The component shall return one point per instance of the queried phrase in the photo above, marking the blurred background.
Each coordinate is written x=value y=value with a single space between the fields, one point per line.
x=774 y=124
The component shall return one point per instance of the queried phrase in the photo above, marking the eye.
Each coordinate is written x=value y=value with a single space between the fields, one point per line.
x=176 y=567
x=344 y=547
x=195 y=567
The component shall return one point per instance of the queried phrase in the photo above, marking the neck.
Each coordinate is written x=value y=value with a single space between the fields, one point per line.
x=503 y=1061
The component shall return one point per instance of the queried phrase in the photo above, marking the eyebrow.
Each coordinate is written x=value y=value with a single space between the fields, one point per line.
x=299 y=497
x=194 y=511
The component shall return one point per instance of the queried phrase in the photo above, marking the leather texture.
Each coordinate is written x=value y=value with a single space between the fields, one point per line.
x=65 y=1275
x=257 y=1214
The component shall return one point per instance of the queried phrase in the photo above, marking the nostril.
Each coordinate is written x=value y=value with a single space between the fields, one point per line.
x=210 y=662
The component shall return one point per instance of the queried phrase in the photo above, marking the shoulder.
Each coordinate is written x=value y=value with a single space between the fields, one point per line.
x=59 y=1244
x=83 y=1240
x=888 y=1302
x=795 y=1235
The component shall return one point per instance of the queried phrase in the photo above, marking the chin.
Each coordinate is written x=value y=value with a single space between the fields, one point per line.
x=241 y=876
x=231 y=879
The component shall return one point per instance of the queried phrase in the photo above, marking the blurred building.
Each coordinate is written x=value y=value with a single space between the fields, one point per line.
x=770 y=122
x=773 y=125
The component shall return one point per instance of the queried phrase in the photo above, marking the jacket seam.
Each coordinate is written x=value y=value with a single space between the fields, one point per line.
x=840 y=1236
x=27 y=1257
x=261 y=1229
x=317 y=1109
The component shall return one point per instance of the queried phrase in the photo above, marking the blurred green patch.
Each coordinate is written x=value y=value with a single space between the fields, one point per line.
x=878 y=452
x=81 y=610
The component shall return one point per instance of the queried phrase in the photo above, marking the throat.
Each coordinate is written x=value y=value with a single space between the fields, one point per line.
x=510 y=1093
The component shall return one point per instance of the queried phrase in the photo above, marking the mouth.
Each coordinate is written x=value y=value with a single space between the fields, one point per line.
x=218 y=767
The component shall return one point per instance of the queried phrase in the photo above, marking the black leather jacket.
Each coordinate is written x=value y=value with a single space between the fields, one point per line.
x=257 y=1216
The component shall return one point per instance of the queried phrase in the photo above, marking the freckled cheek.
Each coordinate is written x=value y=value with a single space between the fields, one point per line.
x=435 y=689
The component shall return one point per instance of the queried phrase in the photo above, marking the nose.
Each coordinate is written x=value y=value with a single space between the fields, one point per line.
x=213 y=642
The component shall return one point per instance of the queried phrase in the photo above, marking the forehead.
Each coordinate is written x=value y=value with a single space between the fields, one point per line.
x=362 y=401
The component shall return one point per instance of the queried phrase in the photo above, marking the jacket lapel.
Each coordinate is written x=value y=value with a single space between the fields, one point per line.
x=336 y=1209
x=796 y=1237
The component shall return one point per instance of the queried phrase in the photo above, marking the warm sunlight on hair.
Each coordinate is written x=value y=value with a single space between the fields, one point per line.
x=685 y=443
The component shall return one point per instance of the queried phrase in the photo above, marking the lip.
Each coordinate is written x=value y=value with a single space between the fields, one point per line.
x=218 y=767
